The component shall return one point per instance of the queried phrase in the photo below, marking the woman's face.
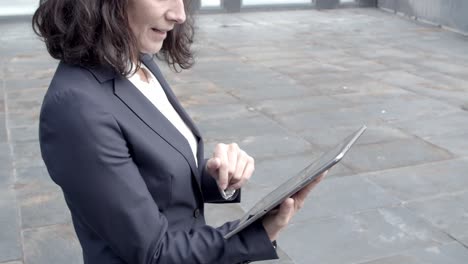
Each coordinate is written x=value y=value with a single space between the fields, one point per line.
x=150 y=20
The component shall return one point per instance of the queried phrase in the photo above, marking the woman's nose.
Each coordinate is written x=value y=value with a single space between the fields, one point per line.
x=176 y=11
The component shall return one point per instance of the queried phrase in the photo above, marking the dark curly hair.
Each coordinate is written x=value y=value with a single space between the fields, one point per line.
x=97 y=32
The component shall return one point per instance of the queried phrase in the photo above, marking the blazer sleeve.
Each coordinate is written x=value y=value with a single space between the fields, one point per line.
x=87 y=155
x=210 y=189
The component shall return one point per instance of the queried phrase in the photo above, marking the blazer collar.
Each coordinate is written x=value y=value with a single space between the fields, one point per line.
x=103 y=73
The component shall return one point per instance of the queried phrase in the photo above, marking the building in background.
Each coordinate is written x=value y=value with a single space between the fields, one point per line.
x=446 y=13
x=18 y=7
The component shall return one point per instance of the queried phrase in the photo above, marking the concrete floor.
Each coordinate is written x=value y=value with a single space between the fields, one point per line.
x=286 y=86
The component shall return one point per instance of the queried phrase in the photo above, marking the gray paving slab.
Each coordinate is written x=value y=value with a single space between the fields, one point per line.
x=425 y=180
x=229 y=73
x=19 y=85
x=449 y=67
x=267 y=146
x=400 y=107
x=24 y=134
x=2 y=106
x=449 y=213
x=12 y=262
x=397 y=65
x=456 y=144
x=19 y=98
x=350 y=83
x=443 y=87
x=10 y=231
x=340 y=196
x=267 y=88
x=464 y=106
x=457 y=97
x=40 y=200
x=22 y=67
x=401 y=79
x=432 y=84
x=220 y=111
x=307 y=65
x=374 y=134
x=328 y=120
x=298 y=104
x=27 y=154
x=52 y=244
x=3 y=130
x=203 y=94
x=238 y=127
x=392 y=52
x=236 y=78
x=272 y=172
x=24 y=118
x=271 y=54
x=183 y=87
x=322 y=54
x=464 y=241
x=334 y=83
x=6 y=176
x=452 y=253
x=278 y=64
x=181 y=79
x=15 y=106
x=360 y=66
x=393 y=154
x=25 y=94
x=18 y=40
x=437 y=126
x=207 y=99
x=27 y=73
x=359 y=237
x=6 y=172
x=205 y=50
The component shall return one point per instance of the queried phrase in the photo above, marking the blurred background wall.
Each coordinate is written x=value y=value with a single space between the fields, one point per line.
x=449 y=13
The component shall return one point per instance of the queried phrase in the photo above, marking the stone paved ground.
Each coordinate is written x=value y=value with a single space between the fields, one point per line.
x=286 y=86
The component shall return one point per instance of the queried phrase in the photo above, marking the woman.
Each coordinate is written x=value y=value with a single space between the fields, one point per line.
x=127 y=156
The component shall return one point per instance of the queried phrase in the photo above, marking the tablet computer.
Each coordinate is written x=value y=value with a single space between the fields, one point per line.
x=296 y=183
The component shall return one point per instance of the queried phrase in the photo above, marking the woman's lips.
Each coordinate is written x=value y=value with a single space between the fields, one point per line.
x=161 y=33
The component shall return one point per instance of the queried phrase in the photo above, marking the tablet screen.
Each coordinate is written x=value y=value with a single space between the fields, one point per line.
x=296 y=183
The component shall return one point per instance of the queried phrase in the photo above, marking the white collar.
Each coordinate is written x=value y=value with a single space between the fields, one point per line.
x=136 y=77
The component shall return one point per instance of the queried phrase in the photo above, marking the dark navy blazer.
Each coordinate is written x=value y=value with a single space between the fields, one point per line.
x=129 y=177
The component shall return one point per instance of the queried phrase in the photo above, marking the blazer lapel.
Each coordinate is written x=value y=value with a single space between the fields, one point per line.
x=151 y=116
x=149 y=62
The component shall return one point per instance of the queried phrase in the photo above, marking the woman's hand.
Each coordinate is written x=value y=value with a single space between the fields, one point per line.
x=278 y=219
x=230 y=166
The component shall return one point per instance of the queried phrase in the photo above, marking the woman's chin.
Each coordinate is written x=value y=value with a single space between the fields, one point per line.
x=151 y=49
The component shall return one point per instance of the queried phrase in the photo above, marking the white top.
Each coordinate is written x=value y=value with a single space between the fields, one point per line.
x=155 y=93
